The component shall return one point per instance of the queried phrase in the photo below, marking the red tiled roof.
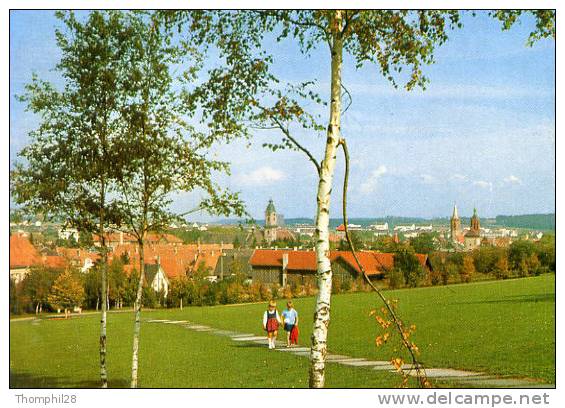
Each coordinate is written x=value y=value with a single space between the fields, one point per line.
x=210 y=259
x=77 y=254
x=267 y=257
x=340 y=228
x=301 y=261
x=176 y=260
x=54 y=261
x=374 y=263
x=22 y=252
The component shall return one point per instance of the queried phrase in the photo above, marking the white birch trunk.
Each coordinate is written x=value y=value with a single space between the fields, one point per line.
x=137 y=324
x=324 y=273
x=103 y=372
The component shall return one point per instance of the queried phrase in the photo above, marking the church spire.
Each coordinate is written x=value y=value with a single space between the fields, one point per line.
x=455 y=214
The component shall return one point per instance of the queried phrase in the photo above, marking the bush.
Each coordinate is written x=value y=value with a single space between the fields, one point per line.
x=395 y=278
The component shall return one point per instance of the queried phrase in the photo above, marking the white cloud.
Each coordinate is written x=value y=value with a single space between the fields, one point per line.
x=458 y=177
x=427 y=179
x=370 y=183
x=511 y=179
x=261 y=177
x=483 y=184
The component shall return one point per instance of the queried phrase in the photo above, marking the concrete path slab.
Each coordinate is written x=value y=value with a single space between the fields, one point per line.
x=235 y=336
x=448 y=373
x=176 y=322
x=295 y=349
x=384 y=367
x=251 y=338
x=198 y=326
x=301 y=353
x=157 y=321
x=333 y=357
x=365 y=363
x=347 y=360
x=225 y=332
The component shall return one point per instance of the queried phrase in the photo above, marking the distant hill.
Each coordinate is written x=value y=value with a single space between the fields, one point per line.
x=545 y=222
x=530 y=221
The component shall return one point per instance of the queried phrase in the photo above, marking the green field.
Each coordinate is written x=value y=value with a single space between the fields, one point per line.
x=505 y=328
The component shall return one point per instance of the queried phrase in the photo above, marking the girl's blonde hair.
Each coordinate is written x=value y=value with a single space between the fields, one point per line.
x=272 y=303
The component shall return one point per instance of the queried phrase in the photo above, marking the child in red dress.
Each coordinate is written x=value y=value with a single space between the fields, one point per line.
x=271 y=321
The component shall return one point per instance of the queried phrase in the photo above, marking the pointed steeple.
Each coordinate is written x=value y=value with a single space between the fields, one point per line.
x=455 y=214
x=475 y=222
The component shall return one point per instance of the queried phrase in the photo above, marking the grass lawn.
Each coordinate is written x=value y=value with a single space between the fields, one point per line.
x=498 y=327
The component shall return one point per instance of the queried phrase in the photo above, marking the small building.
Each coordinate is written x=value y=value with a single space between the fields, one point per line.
x=156 y=278
x=23 y=255
x=282 y=265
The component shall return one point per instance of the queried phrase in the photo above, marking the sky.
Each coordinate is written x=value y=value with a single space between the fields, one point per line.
x=482 y=134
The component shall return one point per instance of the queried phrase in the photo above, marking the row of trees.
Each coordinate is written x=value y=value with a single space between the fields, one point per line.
x=47 y=289
x=522 y=258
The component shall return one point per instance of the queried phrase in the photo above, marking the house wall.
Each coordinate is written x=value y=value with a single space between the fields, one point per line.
x=160 y=282
x=266 y=274
x=18 y=274
x=270 y=275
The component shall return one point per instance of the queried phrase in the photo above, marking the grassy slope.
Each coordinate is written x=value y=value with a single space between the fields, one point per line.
x=501 y=327
x=60 y=353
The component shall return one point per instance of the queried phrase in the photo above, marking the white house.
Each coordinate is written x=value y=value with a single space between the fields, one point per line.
x=66 y=233
x=156 y=278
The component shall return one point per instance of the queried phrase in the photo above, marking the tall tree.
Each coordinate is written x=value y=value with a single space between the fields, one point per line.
x=37 y=285
x=243 y=93
x=67 y=291
x=160 y=153
x=67 y=169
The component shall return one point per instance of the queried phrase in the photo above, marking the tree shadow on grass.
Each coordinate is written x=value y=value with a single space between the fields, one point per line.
x=544 y=297
x=27 y=380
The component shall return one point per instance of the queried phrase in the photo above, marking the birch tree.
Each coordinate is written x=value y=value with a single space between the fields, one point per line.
x=242 y=93
x=159 y=152
x=66 y=171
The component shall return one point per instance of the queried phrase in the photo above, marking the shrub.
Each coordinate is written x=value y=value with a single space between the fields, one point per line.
x=395 y=278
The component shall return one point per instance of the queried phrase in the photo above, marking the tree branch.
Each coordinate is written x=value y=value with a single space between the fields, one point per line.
x=349 y=96
x=298 y=145
x=421 y=374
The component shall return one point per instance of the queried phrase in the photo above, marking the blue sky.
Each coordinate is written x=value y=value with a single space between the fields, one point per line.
x=481 y=135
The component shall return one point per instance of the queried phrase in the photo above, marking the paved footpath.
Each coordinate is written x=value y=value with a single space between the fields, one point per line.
x=461 y=377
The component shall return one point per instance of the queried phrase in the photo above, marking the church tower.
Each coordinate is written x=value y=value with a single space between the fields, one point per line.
x=455 y=224
x=475 y=223
x=270 y=222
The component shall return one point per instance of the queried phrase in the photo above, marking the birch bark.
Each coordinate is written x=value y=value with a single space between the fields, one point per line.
x=324 y=273
x=104 y=267
x=137 y=324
